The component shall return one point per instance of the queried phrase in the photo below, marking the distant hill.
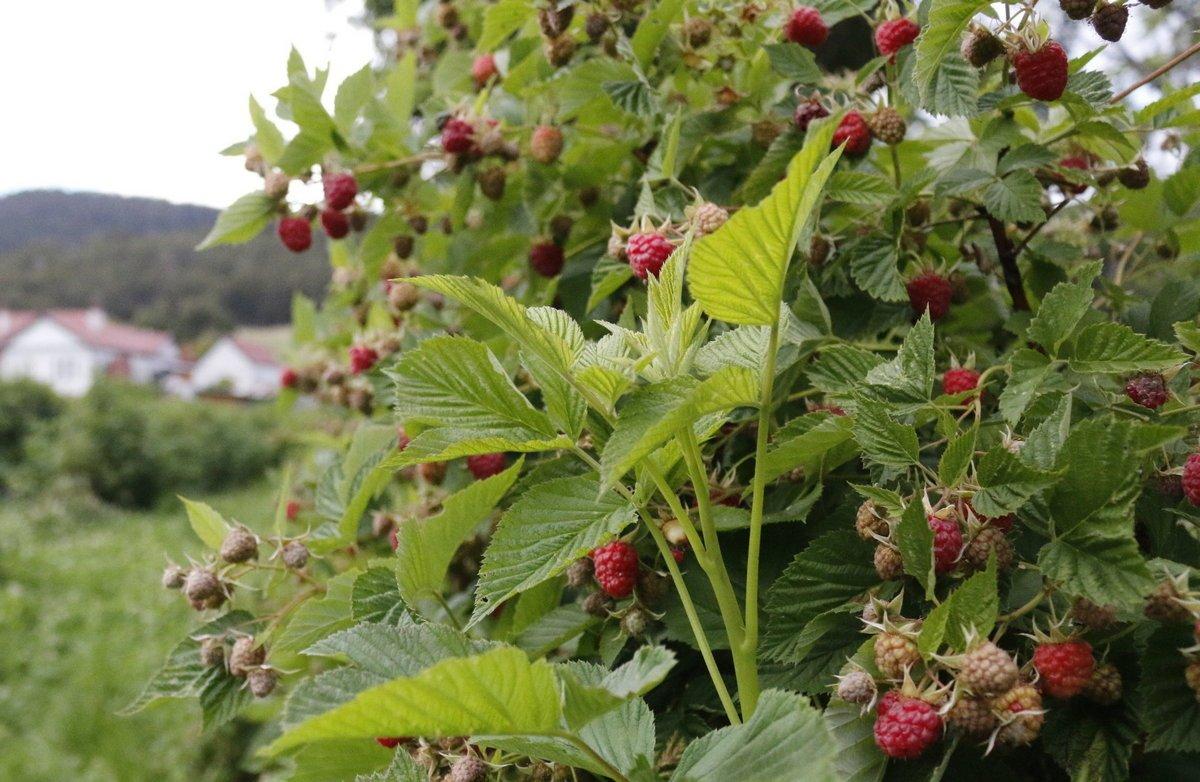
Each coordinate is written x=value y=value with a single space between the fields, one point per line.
x=135 y=257
x=71 y=217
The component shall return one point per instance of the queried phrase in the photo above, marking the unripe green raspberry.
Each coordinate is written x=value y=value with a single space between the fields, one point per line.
x=988 y=670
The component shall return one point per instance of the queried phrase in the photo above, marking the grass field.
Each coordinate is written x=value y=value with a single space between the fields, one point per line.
x=83 y=623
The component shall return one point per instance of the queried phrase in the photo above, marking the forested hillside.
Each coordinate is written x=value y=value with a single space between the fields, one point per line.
x=135 y=258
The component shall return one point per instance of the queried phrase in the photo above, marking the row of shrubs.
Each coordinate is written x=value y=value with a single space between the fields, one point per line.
x=129 y=445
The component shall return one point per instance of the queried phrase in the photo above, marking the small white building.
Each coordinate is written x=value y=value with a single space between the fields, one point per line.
x=238 y=367
x=67 y=349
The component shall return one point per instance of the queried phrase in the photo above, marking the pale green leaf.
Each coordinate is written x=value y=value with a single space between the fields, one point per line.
x=240 y=221
x=499 y=691
x=794 y=63
x=909 y=376
x=208 y=525
x=737 y=273
x=882 y=438
x=1059 y=313
x=653 y=28
x=940 y=38
x=952 y=467
x=785 y=740
x=501 y=20
x=874 y=265
x=1016 y=197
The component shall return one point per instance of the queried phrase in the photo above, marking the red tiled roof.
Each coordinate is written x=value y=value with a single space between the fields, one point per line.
x=12 y=321
x=99 y=332
x=259 y=354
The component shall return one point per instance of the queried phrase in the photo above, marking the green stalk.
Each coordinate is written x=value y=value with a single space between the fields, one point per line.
x=685 y=596
x=689 y=609
x=744 y=665
x=750 y=642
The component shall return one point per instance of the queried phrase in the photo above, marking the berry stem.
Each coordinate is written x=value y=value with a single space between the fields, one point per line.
x=750 y=644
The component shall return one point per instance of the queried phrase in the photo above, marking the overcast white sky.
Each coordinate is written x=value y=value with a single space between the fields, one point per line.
x=137 y=97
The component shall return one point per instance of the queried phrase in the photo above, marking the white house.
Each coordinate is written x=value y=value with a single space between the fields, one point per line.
x=67 y=349
x=239 y=367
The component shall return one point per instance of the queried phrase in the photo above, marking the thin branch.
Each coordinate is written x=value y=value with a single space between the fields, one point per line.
x=1154 y=74
x=1008 y=261
x=1038 y=228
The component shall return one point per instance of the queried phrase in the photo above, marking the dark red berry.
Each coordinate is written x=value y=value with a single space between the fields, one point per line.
x=288 y=378
x=335 y=223
x=959 y=379
x=947 y=543
x=1064 y=667
x=458 y=136
x=362 y=358
x=1042 y=74
x=808 y=111
x=647 y=252
x=678 y=553
x=389 y=742
x=615 y=567
x=485 y=465
x=854 y=131
x=1148 y=390
x=894 y=34
x=340 y=190
x=806 y=27
x=292 y=510
x=930 y=290
x=546 y=258
x=1191 y=479
x=295 y=233
x=886 y=702
x=908 y=728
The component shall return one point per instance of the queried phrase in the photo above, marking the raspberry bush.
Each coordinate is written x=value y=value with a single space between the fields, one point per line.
x=704 y=403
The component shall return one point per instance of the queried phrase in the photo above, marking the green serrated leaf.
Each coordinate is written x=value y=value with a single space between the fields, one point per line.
x=1115 y=348
x=882 y=438
x=208 y=525
x=914 y=538
x=1015 y=198
x=1059 y=313
x=952 y=467
x=874 y=265
x=549 y=527
x=794 y=63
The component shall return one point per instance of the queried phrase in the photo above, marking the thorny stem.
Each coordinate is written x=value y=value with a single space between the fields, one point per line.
x=750 y=644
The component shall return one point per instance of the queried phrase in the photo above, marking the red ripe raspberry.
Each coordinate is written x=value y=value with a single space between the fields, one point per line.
x=806 y=27
x=288 y=378
x=292 y=510
x=947 y=543
x=546 y=144
x=853 y=130
x=959 y=379
x=546 y=258
x=678 y=553
x=1191 y=479
x=930 y=290
x=295 y=233
x=389 y=742
x=362 y=358
x=1077 y=163
x=808 y=111
x=1148 y=390
x=485 y=465
x=340 y=190
x=483 y=69
x=1042 y=74
x=1064 y=667
x=458 y=136
x=335 y=223
x=894 y=34
x=886 y=702
x=615 y=566
x=647 y=253
x=908 y=728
